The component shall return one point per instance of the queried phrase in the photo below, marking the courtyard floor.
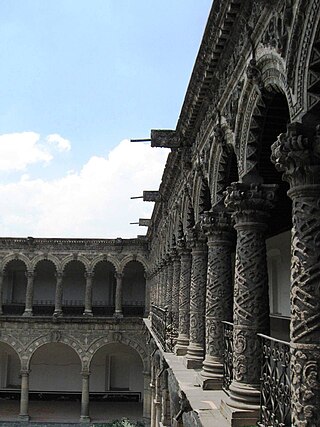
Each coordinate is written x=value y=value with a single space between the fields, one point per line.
x=69 y=412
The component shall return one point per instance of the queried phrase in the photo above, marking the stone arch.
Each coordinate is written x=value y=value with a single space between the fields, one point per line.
x=253 y=108
x=134 y=257
x=104 y=258
x=54 y=336
x=117 y=337
x=75 y=257
x=15 y=345
x=46 y=257
x=14 y=257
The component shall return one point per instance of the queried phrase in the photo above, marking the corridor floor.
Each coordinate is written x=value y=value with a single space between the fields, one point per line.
x=68 y=412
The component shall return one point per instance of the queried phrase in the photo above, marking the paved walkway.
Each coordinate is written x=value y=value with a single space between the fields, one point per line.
x=69 y=412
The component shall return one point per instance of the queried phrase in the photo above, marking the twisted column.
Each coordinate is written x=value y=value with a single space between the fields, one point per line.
x=58 y=296
x=175 y=291
x=184 y=300
x=250 y=204
x=118 y=299
x=219 y=294
x=195 y=351
x=24 y=397
x=168 y=287
x=298 y=158
x=29 y=294
x=88 y=295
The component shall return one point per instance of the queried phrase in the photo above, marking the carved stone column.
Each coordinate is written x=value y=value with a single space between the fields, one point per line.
x=299 y=158
x=147 y=396
x=169 y=280
x=2 y=278
x=29 y=294
x=24 y=397
x=175 y=292
x=84 y=417
x=184 y=300
x=58 y=296
x=88 y=294
x=196 y=347
x=164 y=279
x=219 y=294
x=118 y=299
x=148 y=291
x=250 y=204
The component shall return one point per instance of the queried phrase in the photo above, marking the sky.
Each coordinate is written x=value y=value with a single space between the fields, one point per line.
x=78 y=79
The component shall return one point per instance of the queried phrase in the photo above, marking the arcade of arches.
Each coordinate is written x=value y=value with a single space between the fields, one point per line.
x=212 y=318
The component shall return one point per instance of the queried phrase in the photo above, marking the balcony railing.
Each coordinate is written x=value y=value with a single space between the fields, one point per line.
x=227 y=356
x=275 y=383
x=161 y=324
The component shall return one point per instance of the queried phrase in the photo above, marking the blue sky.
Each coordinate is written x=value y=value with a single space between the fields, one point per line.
x=79 y=78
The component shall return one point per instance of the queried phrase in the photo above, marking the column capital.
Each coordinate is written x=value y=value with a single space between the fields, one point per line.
x=118 y=275
x=250 y=203
x=59 y=275
x=89 y=274
x=30 y=274
x=217 y=223
x=24 y=372
x=297 y=156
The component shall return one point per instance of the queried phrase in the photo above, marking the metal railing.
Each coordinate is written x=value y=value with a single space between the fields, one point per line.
x=227 y=356
x=275 y=383
x=161 y=324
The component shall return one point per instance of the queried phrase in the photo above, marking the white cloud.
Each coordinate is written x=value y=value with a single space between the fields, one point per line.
x=62 y=144
x=94 y=202
x=19 y=150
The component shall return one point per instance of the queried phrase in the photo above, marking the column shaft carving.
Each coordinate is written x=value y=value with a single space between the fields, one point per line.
x=184 y=302
x=29 y=294
x=58 y=296
x=88 y=295
x=175 y=293
x=169 y=277
x=196 y=348
x=250 y=204
x=299 y=158
x=219 y=294
x=118 y=299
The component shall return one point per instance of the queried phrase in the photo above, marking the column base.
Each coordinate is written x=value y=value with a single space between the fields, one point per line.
x=87 y=313
x=211 y=376
x=118 y=314
x=27 y=313
x=181 y=347
x=194 y=356
x=85 y=419
x=192 y=363
x=238 y=417
x=24 y=418
x=209 y=383
x=244 y=396
x=57 y=313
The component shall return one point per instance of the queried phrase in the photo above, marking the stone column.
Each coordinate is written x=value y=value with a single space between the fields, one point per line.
x=219 y=294
x=250 y=204
x=153 y=396
x=175 y=292
x=2 y=278
x=196 y=347
x=148 y=290
x=84 y=417
x=147 y=398
x=168 y=287
x=299 y=158
x=58 y=297
x=164 y=283
x=24 y=397
x=184 y=300
x=118 y=299
x=157 y=403
x=88 y=294
x=29 y=294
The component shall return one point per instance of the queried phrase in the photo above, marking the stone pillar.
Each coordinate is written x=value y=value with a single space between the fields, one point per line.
x=147 y=398
x=153 y=396
x=118 y=299
x=164 y=283
x=88 y=295
x=24 y=397
x=196 y=347
x=299 y=158
x=157 y=403
x=58 y=297
x=84 y=417
x=168 y=287
x=219 y=294
x=2 y=278
x=29 y=294
x=148 y=290
x=175 y=293
x=184 y=300
x=250 y=204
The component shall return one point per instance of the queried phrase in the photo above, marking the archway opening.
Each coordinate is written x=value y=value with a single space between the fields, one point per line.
x=10 y=383
x=133 y=289
x=275 y=122
x=14 y=287
x=103 y=290
x=44 y=288
x=74 y=284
